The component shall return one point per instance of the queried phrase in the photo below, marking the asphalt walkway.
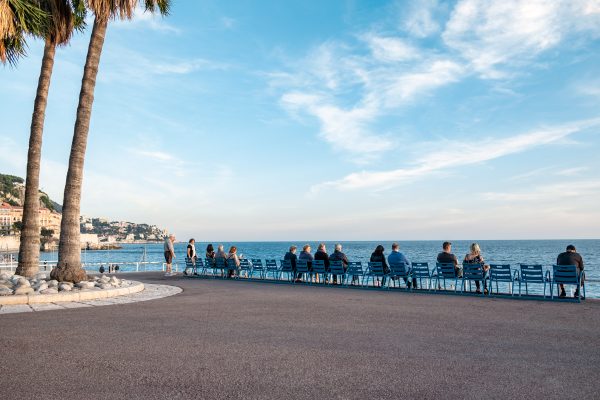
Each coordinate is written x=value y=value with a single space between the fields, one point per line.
x=241 y=340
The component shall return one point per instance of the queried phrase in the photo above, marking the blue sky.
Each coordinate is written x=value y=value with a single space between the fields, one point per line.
x=337 y=120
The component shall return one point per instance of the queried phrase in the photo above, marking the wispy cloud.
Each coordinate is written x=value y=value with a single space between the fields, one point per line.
x=548 y=193
x=455 y=154
x=147 y=20
x=422 y=20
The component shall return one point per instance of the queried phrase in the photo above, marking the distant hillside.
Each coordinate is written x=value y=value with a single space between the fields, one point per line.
x=12 y=191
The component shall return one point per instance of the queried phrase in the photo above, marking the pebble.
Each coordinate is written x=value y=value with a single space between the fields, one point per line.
x=5 y=291
x=41 y=286
x=15 y=284
x=51 y=290
x=64 y=287
x=23 y=290
x=53 y=283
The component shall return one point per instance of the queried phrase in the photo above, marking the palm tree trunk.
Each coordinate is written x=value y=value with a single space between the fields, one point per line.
x=69 y=247
x=29 y=248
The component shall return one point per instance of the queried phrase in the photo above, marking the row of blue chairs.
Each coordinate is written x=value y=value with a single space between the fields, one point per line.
x=419 y=273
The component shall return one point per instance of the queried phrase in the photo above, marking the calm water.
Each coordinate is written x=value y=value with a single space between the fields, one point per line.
x=494 y=251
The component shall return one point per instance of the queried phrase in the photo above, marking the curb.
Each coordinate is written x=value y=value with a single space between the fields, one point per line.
x=69 y=296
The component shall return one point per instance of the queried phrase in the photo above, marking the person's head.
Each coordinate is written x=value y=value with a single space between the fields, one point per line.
x=210 y=248
x=395 y=246
x=192 y=241
x=220 y=247
x=322 y=246
x=293 y=249
x=571 y=248
x=379 y=249
x=172 y=237
x=475 y=249
x=232 y=249
x=306 y=248
x=447 y=246
x=338 y=247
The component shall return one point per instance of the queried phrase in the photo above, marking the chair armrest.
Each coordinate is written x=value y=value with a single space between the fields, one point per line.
x=516 y=276
x=548 y=278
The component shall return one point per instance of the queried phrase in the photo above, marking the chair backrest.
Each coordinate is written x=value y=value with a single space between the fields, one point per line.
x=532 y=273
x=219 y=262
x=398 y=269
x=375 y=268
x=286 y=265
x=257 y=264
x=271 y=265
x=188 y=263
x=473 y=271
x=244 y=264
x=445 y=270
x=318 y=266
x=231 y=264
x=565 y=274
x=199 y=263
x=420 y=269
x=302 y=266
x=336 y=267
x=355 y=268
x=210 y=262
x=501 y=272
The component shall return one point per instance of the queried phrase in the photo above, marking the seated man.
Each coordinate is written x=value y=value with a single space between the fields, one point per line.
x=337 y=255
x=570 y=257
x=292 y=257
x=321 y=254
x=446 y=257
x=396 y=257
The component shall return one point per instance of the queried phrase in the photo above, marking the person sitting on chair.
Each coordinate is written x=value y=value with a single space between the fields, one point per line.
x=337 y=255
x=305 y=255
x=292 y=257
x=446 y=257
x=396 y=257
x=321 y=254
x=570 y=257
x=474 y=257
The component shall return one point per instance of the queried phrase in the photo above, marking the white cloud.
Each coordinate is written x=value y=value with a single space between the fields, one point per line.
x=455 y=154
x=494 y=34
x=422 y=19
x=142 y=19
x=391 y=49
x=548 y=193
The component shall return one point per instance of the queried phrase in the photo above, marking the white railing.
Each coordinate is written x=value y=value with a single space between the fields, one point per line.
x=140 y=266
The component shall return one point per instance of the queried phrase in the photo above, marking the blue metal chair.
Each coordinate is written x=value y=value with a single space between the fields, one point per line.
x=354 y=272
x=286 y=268
x=302 y=269
x=533 y=273
x=189 y=266
x=567 y=275
x=209 y=263
x=375 y=270
x=336 y=269
x=232 y=269
x=220 y=265
x=399 y=271
x=318 y=270
x=444 y=271
x=502 y=273
x=245 y=266
x=257 y=267
x=271 y=268
x=199 y=265
x=472 y=272
x=420 y=271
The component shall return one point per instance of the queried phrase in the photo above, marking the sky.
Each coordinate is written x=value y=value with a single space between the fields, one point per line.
x=337 y=120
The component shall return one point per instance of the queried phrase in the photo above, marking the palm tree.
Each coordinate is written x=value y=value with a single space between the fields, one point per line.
x=17 y=19
x=69 y=247
x=58 y=30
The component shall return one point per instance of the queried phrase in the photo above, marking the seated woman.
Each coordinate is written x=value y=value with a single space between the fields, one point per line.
x=474 y=257
x=233 y=256
x=305 y=255
x=378 y=256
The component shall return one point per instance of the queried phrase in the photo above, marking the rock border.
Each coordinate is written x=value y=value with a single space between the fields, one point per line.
x=86 y=295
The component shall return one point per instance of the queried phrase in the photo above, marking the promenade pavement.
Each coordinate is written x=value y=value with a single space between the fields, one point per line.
x=241 y=340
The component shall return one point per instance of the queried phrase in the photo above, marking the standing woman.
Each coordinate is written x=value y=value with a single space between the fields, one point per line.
x=191 y=251
x=474 y=257
x=378 y=256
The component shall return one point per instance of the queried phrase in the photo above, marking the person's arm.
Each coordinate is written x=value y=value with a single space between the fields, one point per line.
x=189 y=251
x=344 y=260
x=455 y=261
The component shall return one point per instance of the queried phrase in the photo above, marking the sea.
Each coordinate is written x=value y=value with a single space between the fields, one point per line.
x=494 y=251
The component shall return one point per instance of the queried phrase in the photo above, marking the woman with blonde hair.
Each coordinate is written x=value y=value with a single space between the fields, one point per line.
x=474 y=257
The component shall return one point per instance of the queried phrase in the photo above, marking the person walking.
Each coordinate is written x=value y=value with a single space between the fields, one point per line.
x=169 y=254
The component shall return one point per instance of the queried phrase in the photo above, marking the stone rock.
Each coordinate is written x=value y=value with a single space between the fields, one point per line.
x=41 y=286
x=23 y=282
x=106 y=286
x=5 y=291
x=53 y=283
x=85 y=285
x=105 y=279
x=51 y=290
x=6 y=286
x=115 y=281
x=41 y=276
x=24 y=290
x=63 y=287
x=5 y=277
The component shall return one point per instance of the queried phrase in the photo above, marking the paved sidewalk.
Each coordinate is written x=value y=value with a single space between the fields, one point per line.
x=222 y=339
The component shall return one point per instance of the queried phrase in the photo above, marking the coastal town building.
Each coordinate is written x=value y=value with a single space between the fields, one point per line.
x=10 y=214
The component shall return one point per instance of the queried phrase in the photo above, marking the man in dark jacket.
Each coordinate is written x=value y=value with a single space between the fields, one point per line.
x=321 y=254
x=291 y=255
x=570 y=257
x=446 y=257
x=339 y=256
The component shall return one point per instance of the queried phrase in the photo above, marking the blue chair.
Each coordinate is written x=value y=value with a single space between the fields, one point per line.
x=375 y=270
x=336 y=269
x=189 y=266
x=399 y=271
x=302 y=269
x=220 y=265
x=257 y=266
x=472 y=272
x=232 y=269
x=245 y=266
x=444 y=271
x=502 y=273
x=209 y=263
x=271 y=268
x=199 y=265
x=420 y=272
x=286 y=268
x=532 y=274
x=318 y=270
x=354 y=272
x=567 y=275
